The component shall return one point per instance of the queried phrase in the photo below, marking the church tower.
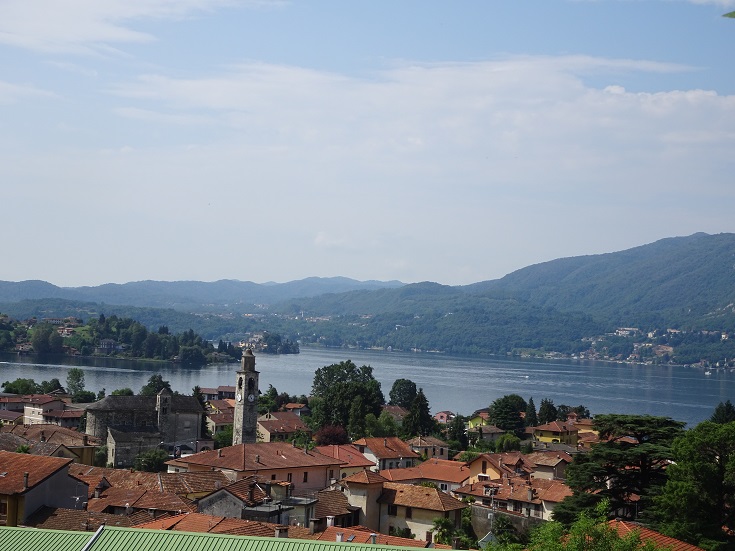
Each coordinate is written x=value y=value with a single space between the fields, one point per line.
x=245 y=426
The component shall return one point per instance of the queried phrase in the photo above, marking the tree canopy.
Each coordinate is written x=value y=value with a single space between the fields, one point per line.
x=402 y=393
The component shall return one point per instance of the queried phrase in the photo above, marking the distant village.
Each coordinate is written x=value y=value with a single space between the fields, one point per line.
x=82 y=467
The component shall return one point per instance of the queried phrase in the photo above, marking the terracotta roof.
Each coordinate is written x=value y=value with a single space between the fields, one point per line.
x=552 y=491
x=331 y=503
x=445 y=470
x=292 y=405
x=361 y=534
x=198 y=522
x=52 y=433
x=64 y=413
x=246 y=490
x=390 y=447
x=549 y=458
x=347 y=453
x=6 y=415
x=397 y=412
x=221 y=405
x=39 y=468
x=558 y=426
x=419 y=497
x=224 y=418
x=40 y=399
x=624 y=528
x=269 y=455
x=139 y=499
x=423 y=441
x=365 y=477
x=178 y=483
x=279 y=422
x=74 y=519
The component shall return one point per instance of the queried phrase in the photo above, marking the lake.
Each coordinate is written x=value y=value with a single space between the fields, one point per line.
x=459 y=384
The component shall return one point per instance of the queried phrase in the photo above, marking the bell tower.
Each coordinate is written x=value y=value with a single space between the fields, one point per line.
x=245 y=422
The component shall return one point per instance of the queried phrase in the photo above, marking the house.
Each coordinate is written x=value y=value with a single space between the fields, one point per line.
x=557 y=432
x=494 y=466
x=36 y=405
x=281 y=426
x=8 y=417
x=479 y=419
x=387 y=452
x=363 y=490
x=222 y=392
x=42 y=439
x=429 y=446
x=353 y=461
x=485 y=432
x=188 y=485
x=217 y=422
x=248 y=498
x=299 y=409
x=29 y=482
x=307 y=470
x=444 y=417
x=398 y=413
x=57 y=518
x=68 y=417
x=404 y=507
x=446 y=474
x=549 y=464
x=126 y=501
x=534 y=498
x=334 y=510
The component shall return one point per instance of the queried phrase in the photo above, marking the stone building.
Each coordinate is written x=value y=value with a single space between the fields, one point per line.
x=134 y=424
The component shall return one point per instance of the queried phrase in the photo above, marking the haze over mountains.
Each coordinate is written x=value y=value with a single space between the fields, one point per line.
x=679 y=282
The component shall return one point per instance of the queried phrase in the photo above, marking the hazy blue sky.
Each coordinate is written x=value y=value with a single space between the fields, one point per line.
x=415 y=140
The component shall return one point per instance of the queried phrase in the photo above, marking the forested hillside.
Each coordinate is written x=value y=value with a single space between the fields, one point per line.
x=567 y=306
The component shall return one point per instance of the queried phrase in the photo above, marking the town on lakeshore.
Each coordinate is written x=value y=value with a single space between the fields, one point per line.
x=346 y=465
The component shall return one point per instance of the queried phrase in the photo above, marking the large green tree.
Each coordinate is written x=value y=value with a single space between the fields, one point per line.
x=505 y=412
x=697 y=503
x=419 y=421
x=75 y=381
x=724 y=413
x=630 y=460
x=155 y=384
x=531 y=418
x=335 y=387
x=402 y=393
x=546 y=412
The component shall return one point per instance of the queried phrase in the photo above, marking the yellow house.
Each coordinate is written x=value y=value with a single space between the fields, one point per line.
x=480 y=419
x=557 y=432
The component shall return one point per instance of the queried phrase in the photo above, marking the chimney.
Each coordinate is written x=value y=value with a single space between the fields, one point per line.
x=43 y=437
x=530 y=494
x=281 y=531
x=257 y=458
x=373 y=538
x=330 y=521
x=219 y=452
x=25 y=481
x=340 y=537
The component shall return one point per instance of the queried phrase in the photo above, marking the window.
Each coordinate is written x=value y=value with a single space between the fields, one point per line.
x=443 y=487
x=484 y=467
x=392 y=510
x=409 y=512
x=441 y=451
x=331 y=474
x=289 y=477
x=306 y=476
x=273 y=477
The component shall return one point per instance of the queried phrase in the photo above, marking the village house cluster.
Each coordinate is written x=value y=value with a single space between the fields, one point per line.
x=378 y=491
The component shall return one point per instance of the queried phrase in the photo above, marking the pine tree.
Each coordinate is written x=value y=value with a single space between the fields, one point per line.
x=531 y=419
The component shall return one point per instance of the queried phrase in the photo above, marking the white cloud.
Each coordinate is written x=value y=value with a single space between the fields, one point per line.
x=91 y=26
x=12 y=93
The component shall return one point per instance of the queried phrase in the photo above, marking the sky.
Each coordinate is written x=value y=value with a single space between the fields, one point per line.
x=412 y=140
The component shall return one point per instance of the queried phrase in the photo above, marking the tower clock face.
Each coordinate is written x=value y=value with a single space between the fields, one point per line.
x=239 y=397
x=251 y=397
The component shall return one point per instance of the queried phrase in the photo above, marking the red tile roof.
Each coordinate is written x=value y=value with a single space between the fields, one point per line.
x=390 y=447
x=454 y=472
x=419 y=497
x=258 y=457
x=365 y=477
x=282 y=422
x=13 y=467
x=558 y=426
x=348 y=454
x=624 y=528
x=360 y=534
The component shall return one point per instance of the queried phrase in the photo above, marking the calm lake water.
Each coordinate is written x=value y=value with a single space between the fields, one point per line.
x=459 y=384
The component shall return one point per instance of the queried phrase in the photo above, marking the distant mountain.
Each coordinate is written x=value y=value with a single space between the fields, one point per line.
x=190 y=296
x=675 y=278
